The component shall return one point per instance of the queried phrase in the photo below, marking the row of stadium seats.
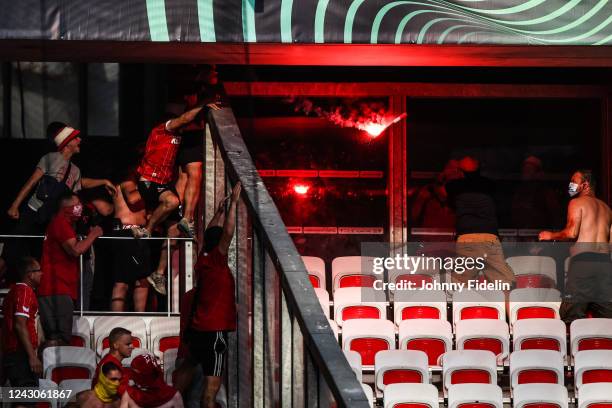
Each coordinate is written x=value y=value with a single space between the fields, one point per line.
x=402 y=377
x=434 y=337
x=347 y=271
x=156 y=334
x=359 y=302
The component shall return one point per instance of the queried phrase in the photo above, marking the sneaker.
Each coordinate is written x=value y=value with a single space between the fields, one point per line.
x=158 y=282
x=187 y=227
x=141 y=232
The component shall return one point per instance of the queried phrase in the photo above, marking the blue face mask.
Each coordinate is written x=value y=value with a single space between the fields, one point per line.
x=572 y=189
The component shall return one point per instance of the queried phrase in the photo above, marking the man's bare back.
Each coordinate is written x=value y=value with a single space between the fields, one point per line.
x=128 y=192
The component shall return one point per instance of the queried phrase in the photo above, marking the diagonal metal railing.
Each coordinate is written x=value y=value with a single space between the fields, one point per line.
x=284 y=352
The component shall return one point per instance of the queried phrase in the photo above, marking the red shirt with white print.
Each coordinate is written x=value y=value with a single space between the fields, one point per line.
x=60 y=269
x=20 y=301
x=157 y=165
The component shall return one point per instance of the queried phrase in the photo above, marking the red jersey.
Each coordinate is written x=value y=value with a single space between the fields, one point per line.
x=60 y=269
x=157 y=165
x=125 y=377
x=216 y=308
x=20 y=301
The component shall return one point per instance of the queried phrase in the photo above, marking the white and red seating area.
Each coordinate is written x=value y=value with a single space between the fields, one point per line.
x=72 y=367
x=468 y=349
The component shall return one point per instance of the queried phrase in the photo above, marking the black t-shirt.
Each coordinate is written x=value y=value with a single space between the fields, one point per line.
x=472 y=198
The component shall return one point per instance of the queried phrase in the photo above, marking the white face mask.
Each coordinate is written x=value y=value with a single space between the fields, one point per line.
x=572 y=189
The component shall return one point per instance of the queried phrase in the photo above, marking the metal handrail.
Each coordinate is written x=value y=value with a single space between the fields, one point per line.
x=301 y=299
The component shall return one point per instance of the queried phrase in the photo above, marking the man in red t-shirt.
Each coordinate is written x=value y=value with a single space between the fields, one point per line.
x=214 y=311
x=20 y=340
x=120 y=347
x=60 y=263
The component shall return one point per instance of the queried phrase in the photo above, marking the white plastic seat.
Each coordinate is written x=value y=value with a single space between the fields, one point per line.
x=169 y=364
x=468 y=367
x=400 y=366
x=45 y=384
x=165 y=334
x=422 y=273
x=432 y=336
x=472 y=304
x=484 y=334
x=415 y=395
x=475 y=396
x=536 y=366
x=68 y=363
x=353 y=271
x=534 y=303
x=354 y=360
x=534 y=271
x=128 y=361
x=359 y=303
x=592 y=366
x=73 y=387
x=81 y=332
x=104 y=324
x=315 y=267
x=540 y=395
x=595 y=395
x=367 y=390
x=540 y=334
x=419 y=304
x=590 y=334
x=367 y=337
x=323 y=297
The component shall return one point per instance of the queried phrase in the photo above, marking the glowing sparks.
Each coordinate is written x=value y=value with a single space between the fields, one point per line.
x=374 y=129
x=301 y=189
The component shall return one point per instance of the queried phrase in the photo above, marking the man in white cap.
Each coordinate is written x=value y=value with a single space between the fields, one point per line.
x=57 y=164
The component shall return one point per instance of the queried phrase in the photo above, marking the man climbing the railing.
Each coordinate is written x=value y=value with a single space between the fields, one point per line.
x=213 y=310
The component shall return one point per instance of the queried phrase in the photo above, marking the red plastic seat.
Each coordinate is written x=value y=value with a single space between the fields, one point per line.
x=420 y=312
x=470 y=377
x=534 y=281
x=360 y=312
x=402 y=376
x=434 y=348
x=537 y=376
x=595 y=376
x=314 y=280
x=475 y=405
x=595 y=343
x=368 y=347
x=541 y=405
x=411 y=406
x=535 y=312
x=77 y=341
x=493 y=345
x=60 y=374
x=363 y=281
x=479 y=312
x=540 y=343
x=170 y=342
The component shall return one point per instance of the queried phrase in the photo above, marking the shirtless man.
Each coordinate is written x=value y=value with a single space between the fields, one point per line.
x=130 y=256
x=589 y=221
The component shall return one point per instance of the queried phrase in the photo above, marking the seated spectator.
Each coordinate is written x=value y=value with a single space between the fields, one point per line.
x=149 y=389
x=120 y=347
x=60 y=260
x=20 y=339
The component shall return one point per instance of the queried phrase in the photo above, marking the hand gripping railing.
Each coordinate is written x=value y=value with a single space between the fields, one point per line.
x=284 y=352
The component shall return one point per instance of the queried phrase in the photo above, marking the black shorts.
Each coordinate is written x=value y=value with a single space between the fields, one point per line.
x=150 y=192
x=208 y=349
x=192 y=148
x=18 y=371
x=131 y=258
